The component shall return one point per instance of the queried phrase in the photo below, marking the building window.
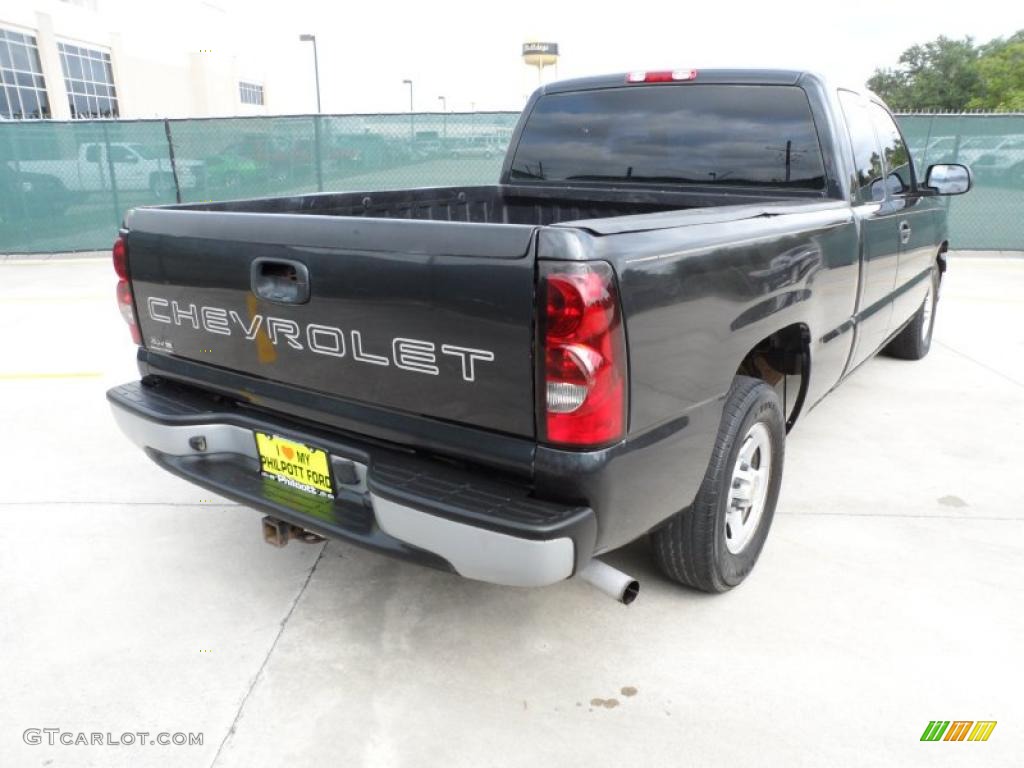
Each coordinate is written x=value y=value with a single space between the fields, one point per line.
x=22 y=87
x=250 y=93
x=89 y=80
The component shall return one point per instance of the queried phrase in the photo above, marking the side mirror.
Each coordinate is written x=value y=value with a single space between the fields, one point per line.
x=948 y=179
x=891 y=184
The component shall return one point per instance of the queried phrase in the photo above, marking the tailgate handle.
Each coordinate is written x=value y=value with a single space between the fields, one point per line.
x=281 y=281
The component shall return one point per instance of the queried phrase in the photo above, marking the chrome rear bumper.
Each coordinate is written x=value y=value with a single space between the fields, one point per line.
x=455 y=518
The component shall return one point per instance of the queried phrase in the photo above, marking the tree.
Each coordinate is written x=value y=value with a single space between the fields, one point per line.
x=940 y=75
x=1001 y=70
x=893 y=86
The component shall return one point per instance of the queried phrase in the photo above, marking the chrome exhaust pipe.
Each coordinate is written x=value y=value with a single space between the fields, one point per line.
x=611 y=581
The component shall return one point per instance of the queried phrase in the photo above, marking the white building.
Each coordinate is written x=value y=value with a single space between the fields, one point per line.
x=67 y=59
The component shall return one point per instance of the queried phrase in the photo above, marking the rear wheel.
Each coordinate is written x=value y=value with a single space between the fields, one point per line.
x=714 y=544
x=914 y=341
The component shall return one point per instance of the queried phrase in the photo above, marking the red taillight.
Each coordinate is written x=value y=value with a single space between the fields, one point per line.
x=125 y=300
x=584 y=355
x=126 y=305
x=121 y=258
x=662 y=76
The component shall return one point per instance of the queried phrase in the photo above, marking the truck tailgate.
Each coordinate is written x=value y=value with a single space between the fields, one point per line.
x=431 y=318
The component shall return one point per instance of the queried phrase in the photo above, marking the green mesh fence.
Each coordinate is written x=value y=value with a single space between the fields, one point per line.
x=64 y=186
x=991 y=216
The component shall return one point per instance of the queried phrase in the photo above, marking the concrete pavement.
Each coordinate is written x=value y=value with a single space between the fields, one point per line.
x=888 y=595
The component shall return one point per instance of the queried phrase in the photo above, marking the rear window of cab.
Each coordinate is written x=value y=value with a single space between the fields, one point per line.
x=734 y=135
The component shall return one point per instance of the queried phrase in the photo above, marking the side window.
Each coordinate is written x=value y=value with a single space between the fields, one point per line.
x=899 y=173
x=867 y=156
x=119 y=154
x=92 y=153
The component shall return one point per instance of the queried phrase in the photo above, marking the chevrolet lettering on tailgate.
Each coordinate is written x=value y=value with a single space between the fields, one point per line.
x=405 y=353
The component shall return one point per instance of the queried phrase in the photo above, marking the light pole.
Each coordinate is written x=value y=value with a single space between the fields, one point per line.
x=409 y=83
x=412 y=114
x=316 y=66
x=444 y=110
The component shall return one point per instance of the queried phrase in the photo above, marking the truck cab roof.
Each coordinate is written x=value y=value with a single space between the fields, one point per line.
x=710 y=76
x=732 y=76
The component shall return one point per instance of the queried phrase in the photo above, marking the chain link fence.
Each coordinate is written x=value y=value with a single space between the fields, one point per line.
x=991 y=216
x=64 y=186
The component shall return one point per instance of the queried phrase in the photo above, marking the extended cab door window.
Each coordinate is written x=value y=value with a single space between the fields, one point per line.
x=867 y=154
x=899 y=167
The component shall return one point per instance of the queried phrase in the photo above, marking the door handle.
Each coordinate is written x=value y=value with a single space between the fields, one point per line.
x=905 y=231
x=281 y=281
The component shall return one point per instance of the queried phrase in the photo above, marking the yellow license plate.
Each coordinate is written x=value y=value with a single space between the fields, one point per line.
x=295 y=464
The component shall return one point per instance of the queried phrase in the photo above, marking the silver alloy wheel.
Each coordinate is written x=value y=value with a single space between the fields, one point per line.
x=748 y=489
x=926 y=313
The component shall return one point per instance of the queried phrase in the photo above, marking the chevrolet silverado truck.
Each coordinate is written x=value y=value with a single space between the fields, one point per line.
x=132 y=166
x=508 y=381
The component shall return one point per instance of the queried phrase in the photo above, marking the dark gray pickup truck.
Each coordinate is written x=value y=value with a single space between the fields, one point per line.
x=509 y=381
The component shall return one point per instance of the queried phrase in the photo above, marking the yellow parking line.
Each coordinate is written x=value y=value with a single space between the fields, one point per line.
x=41 y=299
x=41 y=262
x=69 y=375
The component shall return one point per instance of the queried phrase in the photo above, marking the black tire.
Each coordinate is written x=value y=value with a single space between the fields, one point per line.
x=914 y=341
x=691 y=548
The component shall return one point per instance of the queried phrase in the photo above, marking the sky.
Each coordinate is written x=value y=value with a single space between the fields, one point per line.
x=470 y=52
